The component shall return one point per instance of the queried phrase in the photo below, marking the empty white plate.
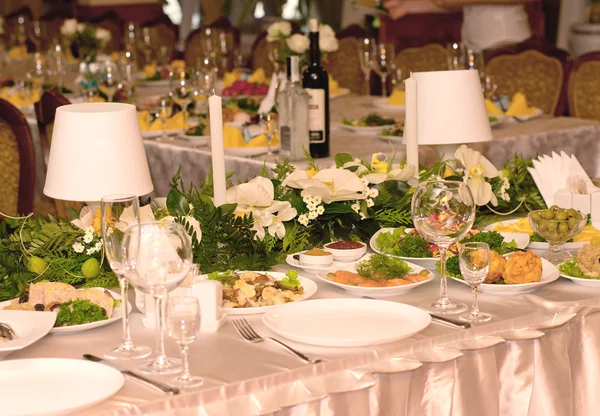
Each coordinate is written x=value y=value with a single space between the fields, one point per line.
x=29 y=326
x=54 y=386
x=346 y=322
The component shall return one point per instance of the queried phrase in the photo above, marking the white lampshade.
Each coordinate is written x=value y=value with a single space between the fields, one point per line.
x=96 y=150
x=451 y=108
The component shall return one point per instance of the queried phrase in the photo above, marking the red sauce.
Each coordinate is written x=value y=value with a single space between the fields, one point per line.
x=345 y=245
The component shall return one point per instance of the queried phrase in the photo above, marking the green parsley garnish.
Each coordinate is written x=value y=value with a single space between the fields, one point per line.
x=570 y=268
x=79 y=311
x=379 y=267
x=290 y=280
x=226 y=277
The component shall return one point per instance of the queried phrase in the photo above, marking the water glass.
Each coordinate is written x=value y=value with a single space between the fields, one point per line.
x=159 y=257
x=183 y=324
x=269 y=124
x=443 y=213
x=119 y=212
x=184 y=90
x=456 y=53
x=108 y=79
x=164 y=111
x=474 y=262
x=366 y=56
x=384 y=64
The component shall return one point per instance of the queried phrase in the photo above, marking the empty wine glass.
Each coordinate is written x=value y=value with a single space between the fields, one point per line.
x=165 y=110
x=57 y=64
x=474 y=262
x=273 y=51
x=183 y=324
x=366 y=56
x=39 y=72
x=269 y=124
x=146 y=45
x=456 y=54
x=184 y=90
x=119 y=212
x=383 y=64
x=443 y=213
x=108 y=79
x=159 y=257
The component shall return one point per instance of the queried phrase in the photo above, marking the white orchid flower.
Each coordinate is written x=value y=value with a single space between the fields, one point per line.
x=86 y=215
x=334 y=185
x=477 y=169
x=284 y=212
x=257 y=193
x=296 y=179
x=402 y=174
x=127 y=217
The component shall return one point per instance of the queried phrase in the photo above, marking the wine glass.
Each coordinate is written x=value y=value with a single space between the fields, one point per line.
x=146 y=45
x=383 y=64
x=366 y=56
x=184 y=90
x=159 y=257
x=57 y=64
x=456 y=56
x=443 y=212
x=119 y=212
x=108 y=79
x=165 y=110
x=273 y=51
x=269 y=124
x=183 y=323
x=39 y=72
x=474 y=262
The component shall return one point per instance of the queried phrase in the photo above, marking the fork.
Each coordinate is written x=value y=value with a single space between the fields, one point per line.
x=573 y=253
x=6 y=331
x=245 y=330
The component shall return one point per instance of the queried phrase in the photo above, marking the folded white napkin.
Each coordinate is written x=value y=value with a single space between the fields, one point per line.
x=268 y=102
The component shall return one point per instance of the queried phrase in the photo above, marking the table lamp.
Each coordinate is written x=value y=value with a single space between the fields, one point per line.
x=96 y=150
x=450 y=110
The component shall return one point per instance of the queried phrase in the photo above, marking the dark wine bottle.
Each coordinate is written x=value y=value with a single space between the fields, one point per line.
x=316 y=83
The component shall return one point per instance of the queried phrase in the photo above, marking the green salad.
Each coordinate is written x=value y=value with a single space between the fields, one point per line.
x=79 y=311
x=570 y=268
x=370 y=120
x=398 y=243
x=396 y=131
x=196 y=131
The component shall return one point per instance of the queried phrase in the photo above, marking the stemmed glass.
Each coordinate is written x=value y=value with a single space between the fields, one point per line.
x=273 y=53
x=183 y=323
x=366 y=57
x=165 y=110
x=184 y=90
x=159 y=257
x=108 y=79
x=38 y=74
x=146 y=45
x=57 y=64
x=269 y=124
x=443 y=212
x=456 y=56
x=384 y=64
x=118 y=213
x=474 y=262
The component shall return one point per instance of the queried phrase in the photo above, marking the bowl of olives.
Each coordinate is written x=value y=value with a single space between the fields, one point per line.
x=557 y=225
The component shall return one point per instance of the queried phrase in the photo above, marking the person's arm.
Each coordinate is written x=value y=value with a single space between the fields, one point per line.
x=399 y=8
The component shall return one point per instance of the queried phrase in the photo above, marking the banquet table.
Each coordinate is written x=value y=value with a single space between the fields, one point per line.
x=538 y=356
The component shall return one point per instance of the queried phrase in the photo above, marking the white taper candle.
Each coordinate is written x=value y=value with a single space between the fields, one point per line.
x=217 y=148
x=411 y=136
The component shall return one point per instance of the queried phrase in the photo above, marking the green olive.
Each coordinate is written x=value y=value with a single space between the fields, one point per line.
x=552 y=225
x=572 y=222
x=578 y=216
x=554 y=208
x=571 y=213
x=561 y=216
x=563 y=228
x=547 y=214
x=535 y=215
x=542 y=225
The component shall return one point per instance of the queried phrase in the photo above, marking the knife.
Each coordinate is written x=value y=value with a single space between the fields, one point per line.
x=161 y=386
x=455 y=323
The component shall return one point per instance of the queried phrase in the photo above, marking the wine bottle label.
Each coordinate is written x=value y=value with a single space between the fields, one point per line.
x=316 y=115
x=286 y=138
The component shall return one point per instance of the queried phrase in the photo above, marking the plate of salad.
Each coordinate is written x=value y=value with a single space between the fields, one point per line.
x=196 y=135
x=407 y=244
x=370 y=124
x=253 y=292
x=583 y=269
x=378 y=275
x=393 y=134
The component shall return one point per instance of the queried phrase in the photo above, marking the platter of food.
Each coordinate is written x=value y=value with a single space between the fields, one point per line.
x=76 y=309
x=378 y=275
x=346 y=322
x=28 y=326
x=584 y=268
x=407 y=244
x=371 y=124
x=511 y=274
x=252 y=292
x=394 y=133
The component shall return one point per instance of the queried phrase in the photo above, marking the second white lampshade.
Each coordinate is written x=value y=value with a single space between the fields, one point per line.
x=451 y=108
x=96 y=150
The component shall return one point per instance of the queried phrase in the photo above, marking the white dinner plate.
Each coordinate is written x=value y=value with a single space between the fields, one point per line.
x=249 y=151
x=393 y=139
x=549 y=274
x=84 y=327
x=578 y=280
x=312 y=269
x=366 y=131
x=55 y=386
x=310 y=288
x=538 y=113
x=383 y=104
x=152 y=134
x=29 y=327
x=532 y=244
x=195 y=140
x=430 y=262
x=346 y=322
x=343 y=92
x=375 y=291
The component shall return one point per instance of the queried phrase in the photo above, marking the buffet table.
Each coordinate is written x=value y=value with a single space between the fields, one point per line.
x=538 y=356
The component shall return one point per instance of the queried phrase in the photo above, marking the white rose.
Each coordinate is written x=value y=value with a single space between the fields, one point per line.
x=278 y=29
x=103 y=34
x=68 y=27
x=298 y=43
x=80 y=27
x=325 y=31
x=328 y=44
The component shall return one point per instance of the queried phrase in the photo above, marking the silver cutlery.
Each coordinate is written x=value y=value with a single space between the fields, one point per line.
x=7 y=332
x=245 y=330
x=454 y=323
x=156 y=384
x=573 y=253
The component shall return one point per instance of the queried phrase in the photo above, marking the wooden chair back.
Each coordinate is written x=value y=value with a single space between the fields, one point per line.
x=344 y=64
x=584 y=87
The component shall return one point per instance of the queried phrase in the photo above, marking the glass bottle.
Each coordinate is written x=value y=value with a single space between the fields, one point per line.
x=292 y=105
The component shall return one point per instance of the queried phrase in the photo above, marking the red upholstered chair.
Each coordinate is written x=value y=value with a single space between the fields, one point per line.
x=537 y=73
x=584 y=87
x=110 y=22
x=164 y=33
x=17 y=164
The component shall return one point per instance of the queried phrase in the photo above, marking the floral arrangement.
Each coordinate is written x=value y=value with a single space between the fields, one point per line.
x=298 y=43
x=280 y=212
x=86 y=38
